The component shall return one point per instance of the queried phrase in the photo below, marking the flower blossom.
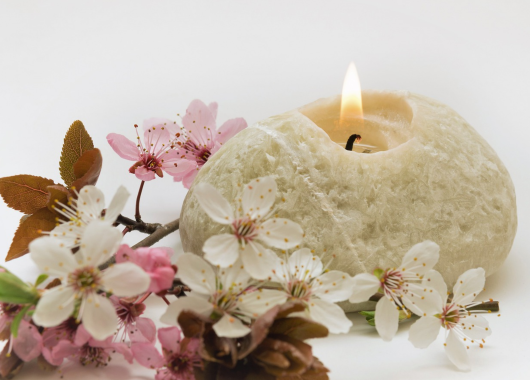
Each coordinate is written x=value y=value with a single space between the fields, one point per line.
x=156 y=262
x=80 y=212
x=199 y=138
x=83 y=286
x=27 y=345
x=401 y=288
x=130 y=324
x=229 y=296
x=303 y=277
x=179 y=355
x=156 y=154
x=461 y=325
x=252 y=223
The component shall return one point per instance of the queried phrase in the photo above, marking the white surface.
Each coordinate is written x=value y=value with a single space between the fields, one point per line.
x=113 y=64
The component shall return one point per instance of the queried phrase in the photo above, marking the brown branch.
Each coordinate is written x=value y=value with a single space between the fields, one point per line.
x=133 y=225
x=137 y=214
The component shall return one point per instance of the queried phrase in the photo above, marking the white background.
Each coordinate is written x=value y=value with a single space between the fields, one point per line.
x=114 y=63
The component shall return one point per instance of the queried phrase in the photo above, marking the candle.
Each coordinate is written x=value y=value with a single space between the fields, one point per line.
x=432 y=178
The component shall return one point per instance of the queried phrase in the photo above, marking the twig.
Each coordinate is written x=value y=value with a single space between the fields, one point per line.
x=137 y=214
x=484 y=306
x=132 y=225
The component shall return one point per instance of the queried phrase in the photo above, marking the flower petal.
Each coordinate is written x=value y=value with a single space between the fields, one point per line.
x=124 y=147
x=52 y=257
x=230 y=128
x=302 y=264
x=161 y=279
x=364 y=286
x=99 y=317
x=147 y=355
x=159 y=122
x=421 y=258
x=456 y=351
x=188 y=179
x=329 y=315
x=258 y=197
x=230 y=327
x=196 y=304
x=176 y=166
x=422 y=300
x=386 y=318
x=99 y=242
x=117 y=204
x=468 y=286
x=54 y=306
x=333 y=286
x=258 y=302
x=281 y=233
x=145 y=331
x=125 y=280
x=144 y=174
x=170 y=338
x=434 y=279
x=222 y=250
x=28 y=343
x=156 y=139
x=424 y=331
x=195 y=272
x=258 y=261
x=199 y=122
x=234 y=277
x=69 y=233
x=213 y=203
x=213 y=109
x=475 y=326
x=90 y=203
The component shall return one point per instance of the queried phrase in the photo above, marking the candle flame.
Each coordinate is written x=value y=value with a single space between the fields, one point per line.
x=351 y=105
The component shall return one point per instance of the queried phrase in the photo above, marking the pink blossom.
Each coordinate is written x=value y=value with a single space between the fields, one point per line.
x=155 y=262
x=51 y=337
x=155 y=155
x=28 y=343
x=199 y=138
x=178 y=359
x=130 y=324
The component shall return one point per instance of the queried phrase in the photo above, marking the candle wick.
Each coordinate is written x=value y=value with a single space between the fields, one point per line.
x=353 y=138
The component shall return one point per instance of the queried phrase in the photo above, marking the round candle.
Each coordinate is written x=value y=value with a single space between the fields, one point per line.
x=433 y=178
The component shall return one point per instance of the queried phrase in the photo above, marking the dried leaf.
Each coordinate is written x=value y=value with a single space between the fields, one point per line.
x=57 y=193
x=9 y=365
x=25 y=193
x=53 y=283
x=87 y=169
x=76 y=142
x=299 y=328
x=42 y=220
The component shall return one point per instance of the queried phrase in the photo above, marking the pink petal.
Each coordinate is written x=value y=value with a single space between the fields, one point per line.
x=47 y=353
x=123 y=349
x=187 y=181
x=230 y=128
x=144 y=174
x=64 y=349
x=170 y=337
x=161 y=279
x=170 y=125
x=213 y=109
x=125 y=253
x=147 y=355
x=146 y=329
x=199 y=123
x=28 y=344
x=182 y=166
x=82 y=336
x=156 y=139
x=123 y=146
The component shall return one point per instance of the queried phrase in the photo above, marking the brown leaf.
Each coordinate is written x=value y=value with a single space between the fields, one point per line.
x=285 y=356
x=42 y=220
x=87 y=169
x=9 y=365
x=57 y=193
x=25 y=193
x=76 y=142
x=53 y=283
x=299 y=328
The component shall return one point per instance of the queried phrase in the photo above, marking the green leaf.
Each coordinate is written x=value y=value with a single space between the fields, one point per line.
x=14 y=290
x=379 y=273
x=15 y=323
x=41 y=279
x=76 y=142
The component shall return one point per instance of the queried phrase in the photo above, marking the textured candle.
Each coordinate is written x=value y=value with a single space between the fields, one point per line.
x=437 y=180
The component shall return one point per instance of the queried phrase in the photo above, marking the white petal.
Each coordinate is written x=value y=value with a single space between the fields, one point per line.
x=422 y=300
x=364 y=286
x=117 y=204
x=196 y=273
x=222 y=250
x=90 y=203
x=99 y=317
x=475 y=326
x=421 y=258
x=303 y=265
x=468 y=286
x=235 y=277
x=256 y=303
x=258 y=261
x=125 y=280
x=213 y=203
x=280 y=233
x=230 y=327
x=386 y=318
x=69 y=233
x=456 y=351
x=435 y=280
x=424 y=331
x=333 y=286
x=54 y=306
x=196 y=304
x=52 y=257
x=99 y=242
x=330 y=315
x=258 y=197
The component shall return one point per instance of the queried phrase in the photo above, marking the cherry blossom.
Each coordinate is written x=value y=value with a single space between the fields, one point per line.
x=461 y=325
x=228 y=295
x=252 y=223
x=401 y=288
x=155 y=155
x=83 y=285
x=130 y=324
x=27 y=345
x=303 y=277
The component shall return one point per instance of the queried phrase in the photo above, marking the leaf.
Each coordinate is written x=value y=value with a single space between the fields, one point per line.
x=14 y=290
x=57 y=193
x=25 y=193
x=87 y=169
x=42 y=220
x=41 y=279
x=10 y=365
x=76 y=142
x=15 y=323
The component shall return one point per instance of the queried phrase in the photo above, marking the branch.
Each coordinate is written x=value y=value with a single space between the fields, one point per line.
x=484 y=306
x=133 y=225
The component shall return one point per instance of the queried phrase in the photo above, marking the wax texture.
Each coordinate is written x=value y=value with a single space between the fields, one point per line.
x=439 y=180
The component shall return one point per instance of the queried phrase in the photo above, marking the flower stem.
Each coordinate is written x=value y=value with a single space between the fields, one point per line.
x=137 y=215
